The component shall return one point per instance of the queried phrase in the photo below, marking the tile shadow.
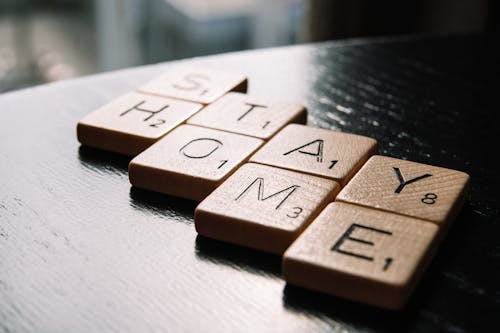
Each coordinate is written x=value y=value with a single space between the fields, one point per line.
x=238 y=257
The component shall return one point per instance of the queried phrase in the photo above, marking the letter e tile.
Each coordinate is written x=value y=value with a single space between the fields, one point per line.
x=361 y=254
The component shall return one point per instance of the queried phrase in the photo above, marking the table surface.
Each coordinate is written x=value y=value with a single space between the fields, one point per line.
x=83 y=251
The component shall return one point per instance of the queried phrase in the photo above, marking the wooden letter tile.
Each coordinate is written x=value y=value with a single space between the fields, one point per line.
x=195 y=84
x=414 y=189
x=316 y=151
x=263 y=207
x=190 y=161
x=133 y=122
x=361 y=254
x=240 y=113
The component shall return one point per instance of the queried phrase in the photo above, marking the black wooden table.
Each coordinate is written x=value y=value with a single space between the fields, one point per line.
x=82 y=251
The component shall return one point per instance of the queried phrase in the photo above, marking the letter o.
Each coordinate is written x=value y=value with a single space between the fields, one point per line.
x=200 y=148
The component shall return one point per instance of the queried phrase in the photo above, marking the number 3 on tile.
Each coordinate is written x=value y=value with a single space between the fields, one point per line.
x=295 y=213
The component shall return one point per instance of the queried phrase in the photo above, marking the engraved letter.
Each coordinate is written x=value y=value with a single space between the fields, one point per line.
x=403 y=183
x=252 y=106
x=347 y=236
x=193 y=79
x=200 y=148
x=152 y=113
x=260 y=192
x=318 y=153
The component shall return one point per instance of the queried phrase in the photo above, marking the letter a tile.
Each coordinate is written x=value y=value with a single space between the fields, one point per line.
x=133 y=122
x=263 y=207
x=361 y=254
x=191 y=161
x=409 y=188
x=316 y=151
x=195 y=84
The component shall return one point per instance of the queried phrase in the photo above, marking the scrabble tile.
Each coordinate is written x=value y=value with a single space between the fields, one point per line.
x=191 y=161
x=409 y=188
x=263 y=207
x=361 y=254
x=316 y=151
x=240 y=113
x=131 y=123
x=195 y=84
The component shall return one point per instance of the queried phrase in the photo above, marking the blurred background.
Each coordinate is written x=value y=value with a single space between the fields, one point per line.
x=48 y=40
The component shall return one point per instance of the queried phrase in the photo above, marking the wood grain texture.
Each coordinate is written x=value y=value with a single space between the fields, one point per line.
x=191 y=161
x=132 y=122
x=415 y=189
x=317 y=151
x=83 y=251
x=361 y=254
x=263 y=207
x=246 y=114
x=195 y=84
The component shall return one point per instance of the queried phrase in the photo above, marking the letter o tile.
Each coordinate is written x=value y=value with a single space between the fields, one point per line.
x=191 y=161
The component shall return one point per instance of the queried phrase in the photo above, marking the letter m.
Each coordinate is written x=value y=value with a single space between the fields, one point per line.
x=259 y=184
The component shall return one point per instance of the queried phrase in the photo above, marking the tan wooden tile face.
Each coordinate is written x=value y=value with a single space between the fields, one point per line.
x=195 y=84
x=240 y=113
x=132 y=122
x=419 y=190
x=361 y=254
x=317 y=151
x=263 y=207
x=190 y=161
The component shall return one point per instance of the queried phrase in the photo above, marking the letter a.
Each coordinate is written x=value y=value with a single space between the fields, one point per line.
x=318 y=152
